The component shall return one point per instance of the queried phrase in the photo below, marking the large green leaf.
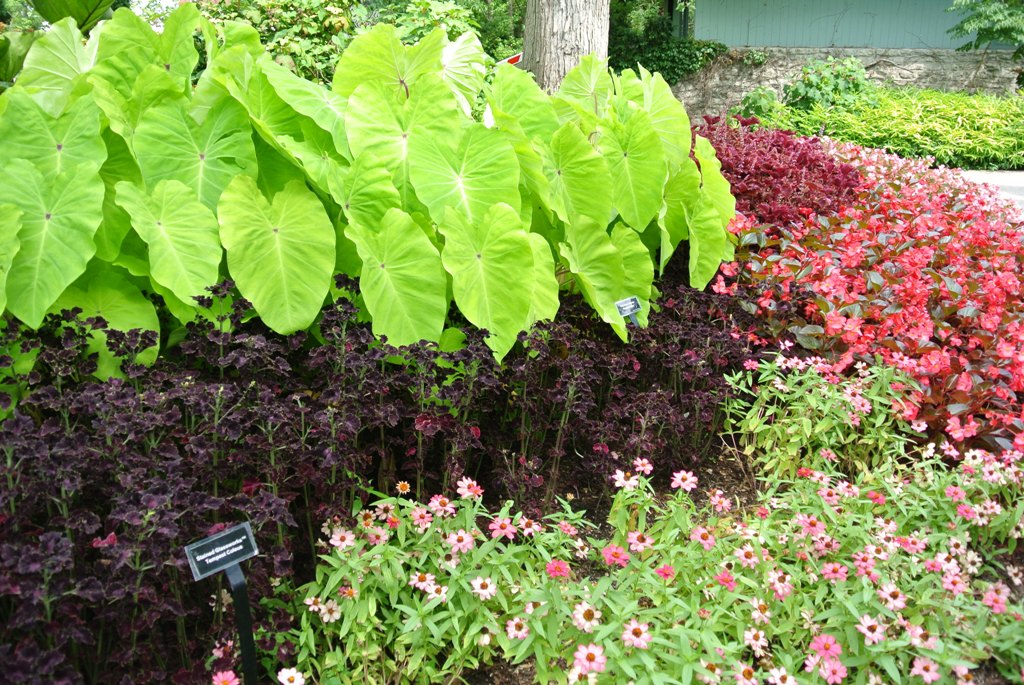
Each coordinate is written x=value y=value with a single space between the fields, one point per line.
x=152 y=87
x=10 y=223
x=365 y=192
x=544 y=300
x=470 y=172
x=515 y=93
x=84 y=12
x=681 y=194
x=580 y=183
x=280 y=254
x=491 y=264
x=104 y=291
x=127 y=46
x=667 y=114
x=310 y=99
x=593 y=259
x=52 y=145
x=14 y=47
x=387 y=125
x=637 y=166
x=59 y=219
x=715 y=185
x=182 y=235
x=638 y=269
x=55 y=63
x=170 y=145
x=463 y=69
x=119 y=166
x=378 y=57
x=589 y=84
x=709 y=241
x=402 y=281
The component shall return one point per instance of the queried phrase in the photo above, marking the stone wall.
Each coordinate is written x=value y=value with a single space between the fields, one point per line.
x=734 y=74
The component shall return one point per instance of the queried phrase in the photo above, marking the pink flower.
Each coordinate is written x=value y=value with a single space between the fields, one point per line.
x=484 y=588
x=666 y=571
x=744 y=674
x=422 y=581
x=719 y=501
x=615 y=556
x=469 y=488
x=438 y=592
x=557 y=568
x=703 y=536
x=966 y=511
x=225 y=678
x=589 y=658
x=441 y=506
x=726 y=580
x=891 y=597
x=461 y=541
x=644 y=466
x=955 y=493
x=825 y=646
x=516 y=629
x=926 y=668
x=750 y=364
x=834 y=572
x=421 y=518
x=502 y=527
x=872 y=629
x=832 y=670
x=626 y=481
x=567 y=528
x=529 y=527
x=638 y=542
x=684 y=480
x=809 y=525
x=586 y=617
x=636 y=634
x=747 y=556
x=876 y=497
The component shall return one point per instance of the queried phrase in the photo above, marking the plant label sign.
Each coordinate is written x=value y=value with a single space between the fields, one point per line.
x=629 y=307
x=221 y=551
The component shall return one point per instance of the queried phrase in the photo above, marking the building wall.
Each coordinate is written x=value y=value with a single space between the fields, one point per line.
x=725 y=82
x=919 y=24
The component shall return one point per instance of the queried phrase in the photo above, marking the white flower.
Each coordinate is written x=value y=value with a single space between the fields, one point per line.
x=290 y=676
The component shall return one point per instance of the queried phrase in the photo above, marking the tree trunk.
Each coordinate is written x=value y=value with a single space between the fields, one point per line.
x=560 y=32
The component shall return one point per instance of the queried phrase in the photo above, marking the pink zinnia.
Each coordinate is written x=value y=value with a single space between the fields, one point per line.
x=726 y=580
x=469 y=488
x=589 y=658
x=834 y=572
x=461 y=541
x=421 y=518
x=516 y=629
x=636 y=634
x=441 y=505
x=615 y=556
x=826 y=646
x=502 y=527
x=666 y=571
x=926 y=668
x=832 y=670
x=225 y=678
x=956 y=493
x=557 y=568
x=638 y=542
x=567 y=528
x=684 y=480
x=703 y=536
x=872 y=629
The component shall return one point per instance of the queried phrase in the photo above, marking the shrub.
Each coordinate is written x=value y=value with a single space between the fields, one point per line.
x=777 y=177
x=882 y=569
x=922 y=270
x=790 y=412
x=827 y=83
x=656 y=47
x=956 y=129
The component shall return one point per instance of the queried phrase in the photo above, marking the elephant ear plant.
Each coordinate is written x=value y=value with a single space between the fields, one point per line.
x=127 y=181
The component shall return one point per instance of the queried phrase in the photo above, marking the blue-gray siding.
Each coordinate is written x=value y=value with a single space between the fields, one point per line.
x=827 y=23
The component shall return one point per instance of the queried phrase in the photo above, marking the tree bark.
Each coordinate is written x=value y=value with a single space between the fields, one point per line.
x=558 y=33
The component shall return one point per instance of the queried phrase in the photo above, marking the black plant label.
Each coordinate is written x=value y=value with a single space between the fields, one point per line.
x=218 y=552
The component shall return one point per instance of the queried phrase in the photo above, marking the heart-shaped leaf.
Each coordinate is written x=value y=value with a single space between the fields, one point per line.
x=593 y=259
x=636 y=162
x=59 y=219
x=280 y=254
x=53 y=145
x=402 y=281
x=578 y=176
x=365 y=192
x=182 y=235
x=491 y=264
x=667 y=114
x=463 y=69
x=379 y=57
